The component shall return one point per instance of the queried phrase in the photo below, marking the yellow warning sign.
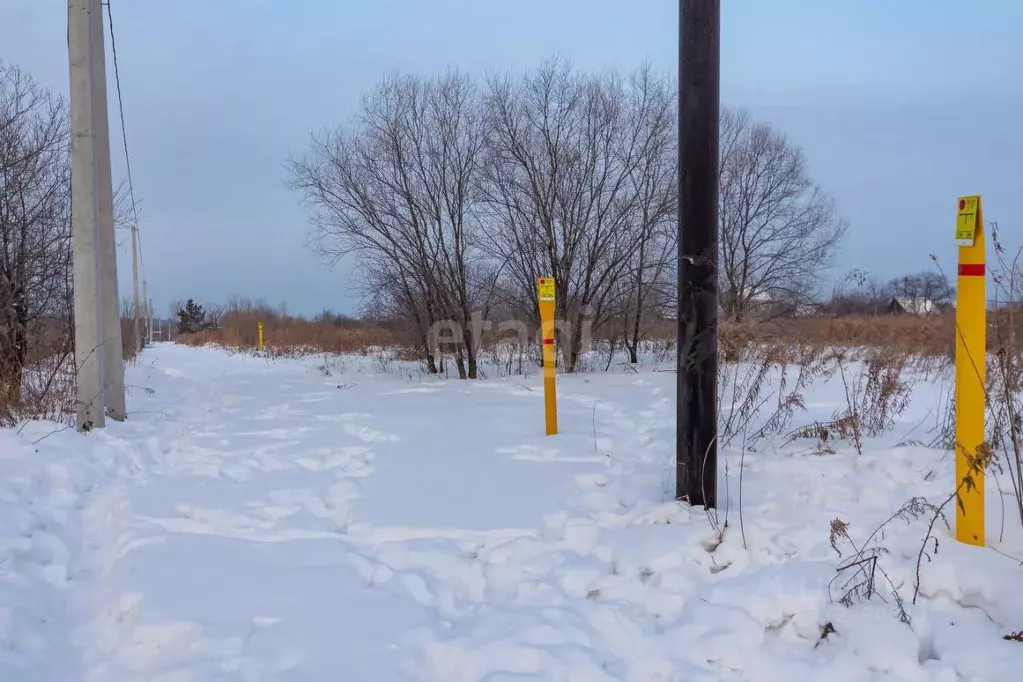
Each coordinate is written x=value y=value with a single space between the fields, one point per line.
x=545 y=288
x=966 y=221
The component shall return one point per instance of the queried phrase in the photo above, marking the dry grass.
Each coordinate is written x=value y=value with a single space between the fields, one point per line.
x=924 y=336
x=289 y=335
x=927 y=337
x=46 y=388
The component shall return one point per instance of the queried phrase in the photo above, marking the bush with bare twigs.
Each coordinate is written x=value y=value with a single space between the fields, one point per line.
x=36 y=297
x=35 y=248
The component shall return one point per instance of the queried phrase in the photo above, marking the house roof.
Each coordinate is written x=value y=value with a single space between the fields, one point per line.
x=917 y=306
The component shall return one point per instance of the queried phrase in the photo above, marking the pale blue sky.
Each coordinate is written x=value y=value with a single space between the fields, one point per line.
x=900 y=105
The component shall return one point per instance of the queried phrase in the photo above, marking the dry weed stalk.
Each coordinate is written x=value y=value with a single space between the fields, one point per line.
x=746 y=373
x=876 y=392
x=1004 y=375
x=1005 y=369
x=875 y=395
x=977 y=464
x=858 y=573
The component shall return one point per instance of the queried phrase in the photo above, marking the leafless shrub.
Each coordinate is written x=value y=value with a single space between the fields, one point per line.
x=35 y=247
x=856 y=576
x=876 y=393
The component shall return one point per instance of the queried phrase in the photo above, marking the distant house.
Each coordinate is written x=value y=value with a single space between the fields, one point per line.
x=921 y=307
x=806 y=309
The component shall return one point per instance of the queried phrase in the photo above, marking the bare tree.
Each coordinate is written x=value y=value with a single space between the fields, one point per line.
x=926 y=285
x=35 y=229
x=858 y=294
x=779 y=230
x=654 y=223
x=394 y=294
x=396 y=189
x=452 y=200
x=560 y=185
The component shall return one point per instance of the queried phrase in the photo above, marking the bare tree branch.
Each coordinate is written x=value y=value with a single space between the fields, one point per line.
x=779 y=230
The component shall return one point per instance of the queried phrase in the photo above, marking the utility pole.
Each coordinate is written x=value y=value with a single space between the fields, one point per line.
x=698 y=112
x=135 y=285
x=89 y=355
x=113 y=363
x=148 y=313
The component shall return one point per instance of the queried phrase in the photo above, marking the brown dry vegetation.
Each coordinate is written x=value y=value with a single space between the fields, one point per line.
x=47 y=387
x=924 y=336
x=238 y=328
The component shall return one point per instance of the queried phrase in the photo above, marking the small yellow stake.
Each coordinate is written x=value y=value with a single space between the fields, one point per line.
x=971 y=353
x=545 y=291
x=260 y=336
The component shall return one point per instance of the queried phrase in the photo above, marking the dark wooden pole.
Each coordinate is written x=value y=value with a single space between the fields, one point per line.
x=698 y=93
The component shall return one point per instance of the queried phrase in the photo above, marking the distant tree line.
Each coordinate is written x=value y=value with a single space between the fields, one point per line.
x=454 y=195
x=863 y=295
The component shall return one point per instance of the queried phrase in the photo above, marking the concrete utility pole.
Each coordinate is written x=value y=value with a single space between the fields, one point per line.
x=135 y=285
x=148 y=313
x=113 y=365
x=698 y=93
x=95 y=265
x=89 y=354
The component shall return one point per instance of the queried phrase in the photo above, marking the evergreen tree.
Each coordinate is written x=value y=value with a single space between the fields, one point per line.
x=191 y=318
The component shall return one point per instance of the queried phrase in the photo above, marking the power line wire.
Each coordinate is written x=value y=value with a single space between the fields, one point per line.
x=127 y=156
x=120 y=107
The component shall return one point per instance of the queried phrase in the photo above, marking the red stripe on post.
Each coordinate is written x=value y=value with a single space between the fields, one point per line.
x=548 y=342
x=971 y=269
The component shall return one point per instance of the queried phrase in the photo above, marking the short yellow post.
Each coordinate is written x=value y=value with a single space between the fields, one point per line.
x=260 y=336
x=971 y=355
x=545 y=290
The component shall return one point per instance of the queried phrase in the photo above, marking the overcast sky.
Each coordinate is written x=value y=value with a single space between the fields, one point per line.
x=900 y=105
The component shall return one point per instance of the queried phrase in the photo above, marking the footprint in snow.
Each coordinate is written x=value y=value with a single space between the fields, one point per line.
x=368 y=435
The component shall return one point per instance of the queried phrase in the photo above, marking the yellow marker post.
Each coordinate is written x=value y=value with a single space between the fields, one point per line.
x=260 y=336
x=545 y=290
x=971 y=353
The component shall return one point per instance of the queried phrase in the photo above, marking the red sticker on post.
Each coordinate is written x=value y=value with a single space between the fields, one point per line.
x=971 y=269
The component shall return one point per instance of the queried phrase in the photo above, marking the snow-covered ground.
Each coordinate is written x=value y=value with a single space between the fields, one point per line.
x=276 y=521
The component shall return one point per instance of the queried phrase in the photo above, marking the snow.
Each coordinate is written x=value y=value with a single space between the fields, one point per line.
x=355 y=519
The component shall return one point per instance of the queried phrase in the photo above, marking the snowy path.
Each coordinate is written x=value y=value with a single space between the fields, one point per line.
x=283 y=521
x=258 y=521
